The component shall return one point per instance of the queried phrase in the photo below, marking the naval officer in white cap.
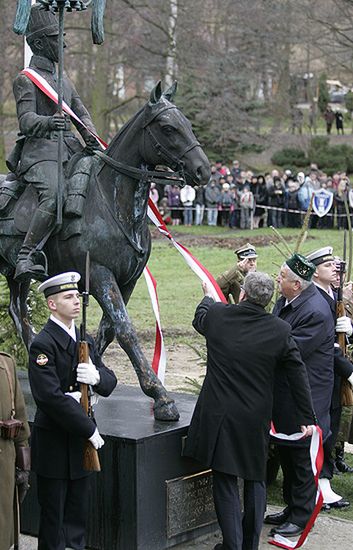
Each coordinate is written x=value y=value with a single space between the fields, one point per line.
x=61 y=427
x=324 y=277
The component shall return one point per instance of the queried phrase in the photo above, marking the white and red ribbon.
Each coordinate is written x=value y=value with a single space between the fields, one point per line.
x=159 y=358
x=317 y=458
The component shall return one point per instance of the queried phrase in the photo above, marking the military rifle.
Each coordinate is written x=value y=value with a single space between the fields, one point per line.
x=346 y=390
x=90 y=458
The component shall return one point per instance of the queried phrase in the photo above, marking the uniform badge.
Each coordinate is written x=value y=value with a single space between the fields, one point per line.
x=42 y=360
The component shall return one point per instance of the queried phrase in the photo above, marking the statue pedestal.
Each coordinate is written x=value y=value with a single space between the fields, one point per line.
x=147 y=497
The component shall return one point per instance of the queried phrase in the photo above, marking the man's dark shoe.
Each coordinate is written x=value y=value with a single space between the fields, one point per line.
x=276 y=519
x=343 y=503
x=287 y=529
x=325 y=507
x=343 y=467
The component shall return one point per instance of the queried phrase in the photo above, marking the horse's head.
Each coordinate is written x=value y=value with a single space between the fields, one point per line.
x=168 y=138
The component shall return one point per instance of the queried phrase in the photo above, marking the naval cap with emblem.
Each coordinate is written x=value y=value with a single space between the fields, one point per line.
x=60 y=283
x=321 y=255
x=246 y=251
x=301 y=266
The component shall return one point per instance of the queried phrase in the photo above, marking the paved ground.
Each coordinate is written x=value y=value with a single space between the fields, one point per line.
x=329 y=533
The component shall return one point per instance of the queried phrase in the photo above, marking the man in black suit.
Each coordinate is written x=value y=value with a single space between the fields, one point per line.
x=229 y=431
x=312 y=325
x=325 y=276
x=61 y=427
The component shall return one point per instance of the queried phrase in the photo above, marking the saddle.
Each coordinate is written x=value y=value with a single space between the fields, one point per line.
x=19 y=200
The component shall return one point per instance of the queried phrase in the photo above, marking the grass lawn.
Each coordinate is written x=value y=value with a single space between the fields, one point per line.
x=342 y=485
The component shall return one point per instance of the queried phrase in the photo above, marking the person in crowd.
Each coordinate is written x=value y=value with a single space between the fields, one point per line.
x=240 y=376
x=340 y=197
x=291 y=202
x=261 y=200
x=61 y=428
x=329 y=117
x=235 y=170
x=174 y=203
x=199 y=204
x=154 y=195
x=164 y=211
x=297 y=118
x=14 y=450
x=231 y=280
x=212 y=198
x=276 y=199
x=305 y=191
x=324 y=277
x=246 y=204
x=312 y=116
x=226 y=203
x=187 y=197
x=310 y=318
x=339 y=122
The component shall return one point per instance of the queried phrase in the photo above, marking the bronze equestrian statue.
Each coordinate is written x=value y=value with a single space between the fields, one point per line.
x=111 y=222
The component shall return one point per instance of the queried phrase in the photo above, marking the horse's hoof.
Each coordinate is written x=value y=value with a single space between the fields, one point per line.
x=166 y=411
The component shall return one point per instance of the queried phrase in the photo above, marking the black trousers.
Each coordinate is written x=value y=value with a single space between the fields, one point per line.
x=63 y=513
x=241 y=531
x=299 y=489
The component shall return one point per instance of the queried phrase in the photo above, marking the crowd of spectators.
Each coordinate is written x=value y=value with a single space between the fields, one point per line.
x=237 y=198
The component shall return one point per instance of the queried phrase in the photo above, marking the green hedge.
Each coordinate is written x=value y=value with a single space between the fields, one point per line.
x=329 y=158
x=290 y=156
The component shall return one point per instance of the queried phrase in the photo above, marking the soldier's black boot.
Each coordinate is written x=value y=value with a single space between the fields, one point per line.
x=27 y=266
x=339 y=462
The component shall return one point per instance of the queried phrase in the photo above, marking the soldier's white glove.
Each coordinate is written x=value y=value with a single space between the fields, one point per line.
x=76 y=395
x=96 y=440
x=87 y=374
x=94 y=398
x=350 y=380
x=344 y=325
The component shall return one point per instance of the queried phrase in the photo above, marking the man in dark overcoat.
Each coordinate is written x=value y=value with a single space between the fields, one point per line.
x=309 y=315
x=325 y=276
x=39 y=124
x=61 y=427
x=229 y=430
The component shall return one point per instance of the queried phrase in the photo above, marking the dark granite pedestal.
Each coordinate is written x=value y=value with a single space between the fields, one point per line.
x=147 y=497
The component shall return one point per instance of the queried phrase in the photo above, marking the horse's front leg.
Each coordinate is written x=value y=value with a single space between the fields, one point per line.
x=115 y=317
x=18 y=310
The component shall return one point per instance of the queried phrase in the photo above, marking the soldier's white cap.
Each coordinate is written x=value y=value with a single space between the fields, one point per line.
x=60 y=283
x=246 y=251
x=321 y=255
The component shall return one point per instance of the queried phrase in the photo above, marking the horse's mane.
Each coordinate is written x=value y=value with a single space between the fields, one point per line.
x=114 y=142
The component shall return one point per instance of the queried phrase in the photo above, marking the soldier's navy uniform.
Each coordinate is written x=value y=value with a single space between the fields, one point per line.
x=60 y=431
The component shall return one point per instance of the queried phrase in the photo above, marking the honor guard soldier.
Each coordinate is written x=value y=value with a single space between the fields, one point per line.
x=14 y=450
x=324 y=278
x=230 y=281
x=36 y=158
x=61 y=427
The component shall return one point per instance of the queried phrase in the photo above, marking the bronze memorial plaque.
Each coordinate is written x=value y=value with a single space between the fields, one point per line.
x=189 y=503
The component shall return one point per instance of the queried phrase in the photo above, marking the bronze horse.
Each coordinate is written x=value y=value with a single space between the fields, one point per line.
x=114 y=229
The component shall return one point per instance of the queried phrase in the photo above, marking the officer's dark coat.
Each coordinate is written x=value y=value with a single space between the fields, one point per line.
x=343 y=368
x=60 y=426
x=230 y=426
x=33 y=110
x=313 y=330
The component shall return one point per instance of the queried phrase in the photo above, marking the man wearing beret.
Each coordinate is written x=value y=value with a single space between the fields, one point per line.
x=61 y=427
x=309 y=315
x=324 y=277
x=230 y=281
